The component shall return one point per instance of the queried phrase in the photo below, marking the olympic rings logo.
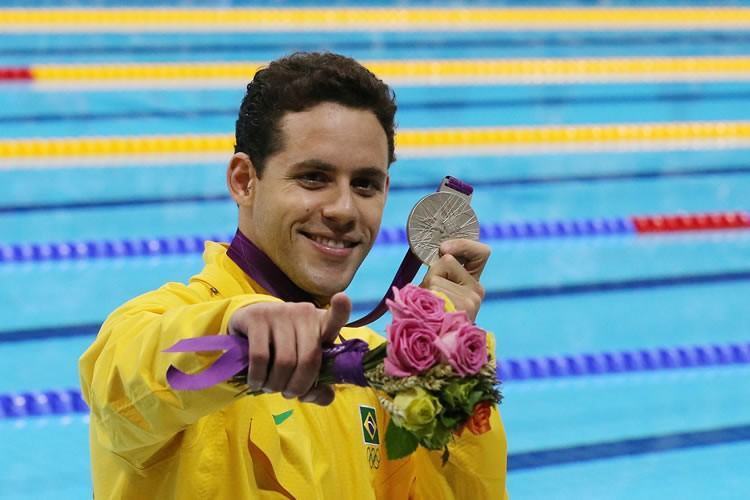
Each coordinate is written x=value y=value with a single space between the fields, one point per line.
x=373 y=456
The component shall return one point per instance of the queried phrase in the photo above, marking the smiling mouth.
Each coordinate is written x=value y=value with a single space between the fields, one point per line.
x=331 y=242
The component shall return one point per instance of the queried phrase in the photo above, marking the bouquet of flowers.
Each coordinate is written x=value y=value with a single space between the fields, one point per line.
x=435 y=376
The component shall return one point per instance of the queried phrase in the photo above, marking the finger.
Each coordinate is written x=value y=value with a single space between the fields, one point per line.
x=309 y=359
x=322 y=395
x=453 y=291
x=449 y=268
x=473 y=254
x=463 y=298
x=336 y=317
x=284 y=355
x=258 y=355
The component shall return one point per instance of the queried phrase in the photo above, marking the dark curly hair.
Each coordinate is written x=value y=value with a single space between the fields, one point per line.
x=299 y=82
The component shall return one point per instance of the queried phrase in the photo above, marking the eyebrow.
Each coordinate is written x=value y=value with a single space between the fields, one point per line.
x=371 y=172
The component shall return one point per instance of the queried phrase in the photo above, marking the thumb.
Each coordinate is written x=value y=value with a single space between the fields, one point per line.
x=335 y=317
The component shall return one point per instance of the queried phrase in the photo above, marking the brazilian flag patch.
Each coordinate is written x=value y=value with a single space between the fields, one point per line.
x=369 y=424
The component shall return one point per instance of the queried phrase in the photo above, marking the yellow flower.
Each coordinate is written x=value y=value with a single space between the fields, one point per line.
x=416 y=410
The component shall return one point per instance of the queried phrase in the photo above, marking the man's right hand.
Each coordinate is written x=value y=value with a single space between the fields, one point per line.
x=285 y=345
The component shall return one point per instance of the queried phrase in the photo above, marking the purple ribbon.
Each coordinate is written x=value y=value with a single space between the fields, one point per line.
x=459 y=185
x=409 y=266
x=406 y=272
x=344 y=362
x=256 y=264
x=346 y=366
x=259 y=266
x=233 y=361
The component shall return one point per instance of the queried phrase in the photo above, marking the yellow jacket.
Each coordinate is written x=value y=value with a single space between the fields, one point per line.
x=151 y=442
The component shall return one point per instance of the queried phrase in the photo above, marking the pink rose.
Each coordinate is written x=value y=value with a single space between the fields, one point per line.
x=411 y=347
x=413 y=302
x=462 y=344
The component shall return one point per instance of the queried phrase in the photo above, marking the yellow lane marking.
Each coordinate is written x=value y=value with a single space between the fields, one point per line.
x=412 y=139
x=149 y=71
x=425 y=71
x=332 y=19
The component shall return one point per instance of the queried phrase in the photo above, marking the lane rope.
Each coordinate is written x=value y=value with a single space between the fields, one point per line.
x=411 y=142
x=498 y=231
x=124 y=20
x=67 y=401
x=397 y=72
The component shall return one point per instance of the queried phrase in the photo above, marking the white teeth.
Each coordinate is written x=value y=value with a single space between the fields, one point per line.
x=329 y=243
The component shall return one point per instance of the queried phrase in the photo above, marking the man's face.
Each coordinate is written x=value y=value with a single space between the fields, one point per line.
x=317 y=208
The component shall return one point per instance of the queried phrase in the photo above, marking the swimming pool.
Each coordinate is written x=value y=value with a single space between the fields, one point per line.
x=567 y=306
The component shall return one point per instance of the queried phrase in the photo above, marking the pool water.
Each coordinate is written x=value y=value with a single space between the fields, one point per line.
x=651 y=433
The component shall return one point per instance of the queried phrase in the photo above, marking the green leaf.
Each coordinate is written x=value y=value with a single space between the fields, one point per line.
x=438 y=439
x=399 y=442
x=451 y=421
x=472 y=400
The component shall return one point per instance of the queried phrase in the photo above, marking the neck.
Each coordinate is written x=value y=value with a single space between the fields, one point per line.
x=259 y=266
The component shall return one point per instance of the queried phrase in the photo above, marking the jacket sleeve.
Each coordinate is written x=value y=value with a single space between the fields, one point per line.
x=134 y=412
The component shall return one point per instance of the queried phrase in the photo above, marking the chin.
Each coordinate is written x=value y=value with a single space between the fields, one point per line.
x=327 y=291
x=325 y=285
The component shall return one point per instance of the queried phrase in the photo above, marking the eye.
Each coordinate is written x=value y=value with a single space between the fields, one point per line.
x=312 y=179
x=367 y=187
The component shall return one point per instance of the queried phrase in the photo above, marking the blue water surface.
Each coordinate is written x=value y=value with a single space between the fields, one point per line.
x=546 y=297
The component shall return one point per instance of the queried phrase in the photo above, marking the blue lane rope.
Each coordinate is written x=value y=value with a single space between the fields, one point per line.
x=46 y=403
x=65 y=402
x=181 y=245
x=642 y=360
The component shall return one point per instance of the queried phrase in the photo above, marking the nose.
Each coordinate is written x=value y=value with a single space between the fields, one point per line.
x=340 y=207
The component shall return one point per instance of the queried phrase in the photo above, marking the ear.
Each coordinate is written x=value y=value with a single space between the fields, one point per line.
x=242 y=179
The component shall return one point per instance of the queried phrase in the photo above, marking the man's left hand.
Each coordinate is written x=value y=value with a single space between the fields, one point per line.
x=456 y=274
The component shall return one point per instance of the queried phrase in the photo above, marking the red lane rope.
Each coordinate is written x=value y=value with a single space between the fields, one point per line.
x=15 y=74
x=691 y=222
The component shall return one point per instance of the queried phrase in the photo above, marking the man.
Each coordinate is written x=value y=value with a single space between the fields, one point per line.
x=310 y=177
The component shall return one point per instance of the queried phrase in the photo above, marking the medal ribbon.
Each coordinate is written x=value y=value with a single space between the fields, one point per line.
x=409 y=266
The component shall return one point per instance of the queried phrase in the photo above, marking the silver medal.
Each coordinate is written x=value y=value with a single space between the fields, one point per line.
x=441 y=216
